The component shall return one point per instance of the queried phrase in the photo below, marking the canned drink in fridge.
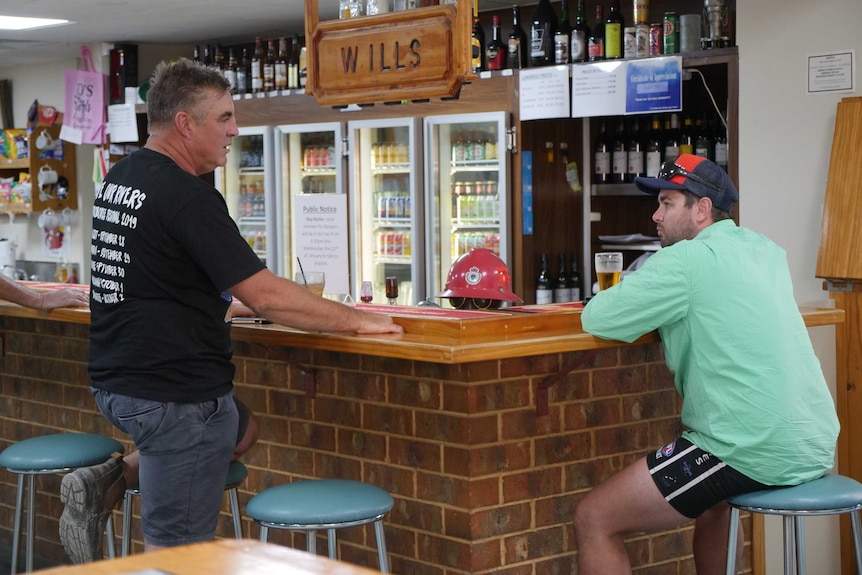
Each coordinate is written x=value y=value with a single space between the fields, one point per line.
x=670 y=44
x=656 y=39
x=629 y=42
x=642 y=41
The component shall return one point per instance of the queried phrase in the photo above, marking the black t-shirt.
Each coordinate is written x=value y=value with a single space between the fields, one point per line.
x=164 y=253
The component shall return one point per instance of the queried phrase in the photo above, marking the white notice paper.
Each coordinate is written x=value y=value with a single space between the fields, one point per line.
x=544 y=93
x=833 y=72
x=320 y=238
x=122 y=123
x=599 y=89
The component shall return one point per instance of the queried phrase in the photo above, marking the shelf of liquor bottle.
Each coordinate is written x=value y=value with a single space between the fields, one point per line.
x=619 y=189
x=390 y=168
x=474 y=165
x=318 y=171
x=269 y=94
x=392 y=222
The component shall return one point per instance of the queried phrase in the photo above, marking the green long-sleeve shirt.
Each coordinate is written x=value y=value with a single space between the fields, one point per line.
x=753 y=391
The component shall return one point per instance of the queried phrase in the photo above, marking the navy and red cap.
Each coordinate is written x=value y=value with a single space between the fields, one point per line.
x=707 y=180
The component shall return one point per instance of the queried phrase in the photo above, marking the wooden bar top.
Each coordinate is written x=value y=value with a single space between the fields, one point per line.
x=438 y=335
x=220 y=557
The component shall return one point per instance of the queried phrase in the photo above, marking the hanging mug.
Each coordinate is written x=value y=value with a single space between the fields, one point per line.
x=44 y=141
x=47 y=176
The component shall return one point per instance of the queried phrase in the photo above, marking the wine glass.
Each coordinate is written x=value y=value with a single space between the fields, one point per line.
x=392 y=289
x=366 y=292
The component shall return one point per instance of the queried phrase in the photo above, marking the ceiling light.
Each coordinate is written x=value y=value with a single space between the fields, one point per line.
x=23 y=23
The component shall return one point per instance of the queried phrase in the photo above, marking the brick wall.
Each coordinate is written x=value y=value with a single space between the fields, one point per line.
x=482 y=484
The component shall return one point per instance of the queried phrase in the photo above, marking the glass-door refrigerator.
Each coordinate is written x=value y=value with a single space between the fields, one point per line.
x=311 y=163
x=247 y=182
x=386 y=208
x=466 y=190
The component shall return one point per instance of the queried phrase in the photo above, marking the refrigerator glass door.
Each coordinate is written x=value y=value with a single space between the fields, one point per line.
x=248 y=184
x=311 y=164
x=386 y=209
x=467 y=190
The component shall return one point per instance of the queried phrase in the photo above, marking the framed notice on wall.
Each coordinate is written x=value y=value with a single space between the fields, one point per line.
x=320 y=238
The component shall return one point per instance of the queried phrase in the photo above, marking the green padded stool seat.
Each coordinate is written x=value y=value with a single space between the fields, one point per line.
x=50 y=454
x=829 y=495
x=236 y=474
x=323 y=504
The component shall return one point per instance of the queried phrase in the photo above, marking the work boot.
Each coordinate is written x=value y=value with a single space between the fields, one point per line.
x=87 y=494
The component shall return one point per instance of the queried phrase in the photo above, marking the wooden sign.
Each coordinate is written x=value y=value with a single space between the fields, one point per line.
x=407 y=55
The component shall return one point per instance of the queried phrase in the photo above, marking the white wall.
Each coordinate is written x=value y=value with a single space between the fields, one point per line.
x=785 y=143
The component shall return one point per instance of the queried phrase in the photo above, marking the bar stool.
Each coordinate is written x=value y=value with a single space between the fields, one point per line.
x=829 y=495
x=50 y=454
x=236 y=474
x=323 y=504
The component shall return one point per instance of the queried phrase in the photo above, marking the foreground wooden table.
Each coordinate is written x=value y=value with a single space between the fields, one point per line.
x=220 y=557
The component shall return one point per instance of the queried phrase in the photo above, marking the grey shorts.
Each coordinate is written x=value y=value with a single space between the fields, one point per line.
x=185 y=452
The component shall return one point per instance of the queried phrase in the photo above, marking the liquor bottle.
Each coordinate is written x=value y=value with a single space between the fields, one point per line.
x=703 y=139
x=242 y=68
x=686 y=137
x=562 y=36
x=602 y=157
x=574 y=280
x=218 y=59
x=671 y=138
x=303 y=67
x=518 y=46
x=495 y=54
x=196 y=54
x=230 y=71
x=720 y=146
x=596 y=40
x=636 y=153
x=256 y=73
x=269 y=67
x=544 y=293
x=580 y=34
x=280 y=67
x=614 y=24
x=207 y=59
x=562 y=291
x=619 y=155
x=293 y=64
x=542 y=34
x=477 y=41
x=654 y=148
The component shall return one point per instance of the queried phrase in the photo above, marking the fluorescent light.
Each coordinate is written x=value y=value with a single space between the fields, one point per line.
x=24 y=23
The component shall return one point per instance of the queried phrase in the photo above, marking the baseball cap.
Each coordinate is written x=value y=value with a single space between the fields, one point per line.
x=701 y=177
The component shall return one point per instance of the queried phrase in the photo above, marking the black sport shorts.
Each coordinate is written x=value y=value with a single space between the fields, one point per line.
x=693 y=480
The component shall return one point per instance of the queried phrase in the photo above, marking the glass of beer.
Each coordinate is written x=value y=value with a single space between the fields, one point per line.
x=609 y=269
x=313 y=281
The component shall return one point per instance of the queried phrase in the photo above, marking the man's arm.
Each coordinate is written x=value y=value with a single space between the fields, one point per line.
x=283 y=301
x=22 y=295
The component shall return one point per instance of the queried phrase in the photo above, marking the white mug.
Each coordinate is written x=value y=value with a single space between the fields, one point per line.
x=44 y=140
x=47 y=176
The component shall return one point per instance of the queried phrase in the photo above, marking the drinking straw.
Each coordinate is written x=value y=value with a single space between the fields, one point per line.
x=299 y=263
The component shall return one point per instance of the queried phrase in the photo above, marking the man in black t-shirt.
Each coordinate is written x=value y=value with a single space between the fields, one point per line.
x=167 y=261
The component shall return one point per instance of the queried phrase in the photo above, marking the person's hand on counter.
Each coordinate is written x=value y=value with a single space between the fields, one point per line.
x=64 y=297
x=22 y=295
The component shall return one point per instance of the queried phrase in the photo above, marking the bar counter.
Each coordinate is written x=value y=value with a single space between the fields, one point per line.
x=486 y=428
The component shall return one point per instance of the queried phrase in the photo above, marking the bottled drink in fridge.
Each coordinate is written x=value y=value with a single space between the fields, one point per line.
x=518 y=45
x=544 y=293
x=542 y=34
x=562 y=291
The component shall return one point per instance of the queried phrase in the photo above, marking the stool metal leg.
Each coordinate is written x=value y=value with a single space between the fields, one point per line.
x=234 y=511
x=127 y=525
x=732 y=535
x=31 y=519
x=311 y=542
x=264 y=531
x=109 y=535
x=382 y=557
x=856 y=523
x=789 y=545
x=331 y=544
x=799 y=534
x=16 y=534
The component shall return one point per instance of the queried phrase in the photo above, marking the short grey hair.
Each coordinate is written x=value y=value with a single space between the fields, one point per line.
x=180 y=85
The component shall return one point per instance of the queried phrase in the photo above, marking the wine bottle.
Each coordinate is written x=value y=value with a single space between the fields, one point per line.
x=702 y=139
x=602 y=157
x=544 y=293
x=269 y=67
x=196 y=54
x=207 y=59
x=619 y=155
x=596 y=41
x=562 y=291
x=477 y=41
x=614 y=32
x=293 y=64
x=256 y=74
x=720 y=146
x=686 y=137
x=671 y=138
x=574 y=280
x=230 y=71
x=280 y=67
x=562 y=36
x=542 y=34
x=653 y=149
x=495 y=53
x=580 y=34
x=635 y=152
x=517 y=43
x=219 y=64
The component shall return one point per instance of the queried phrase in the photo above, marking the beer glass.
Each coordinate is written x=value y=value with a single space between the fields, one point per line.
x=313 y=281
x=609 y=269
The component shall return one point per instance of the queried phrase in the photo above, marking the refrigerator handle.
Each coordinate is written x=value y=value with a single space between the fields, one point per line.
x=345 y=147
x=512 y=143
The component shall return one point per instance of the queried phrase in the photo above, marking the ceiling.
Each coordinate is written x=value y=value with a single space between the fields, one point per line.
x=154 y=22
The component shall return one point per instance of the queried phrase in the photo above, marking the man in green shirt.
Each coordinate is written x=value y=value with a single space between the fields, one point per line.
x=756 y=410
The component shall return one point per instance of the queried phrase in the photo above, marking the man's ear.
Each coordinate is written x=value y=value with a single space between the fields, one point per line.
x=182 y=121
x=703 y=209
